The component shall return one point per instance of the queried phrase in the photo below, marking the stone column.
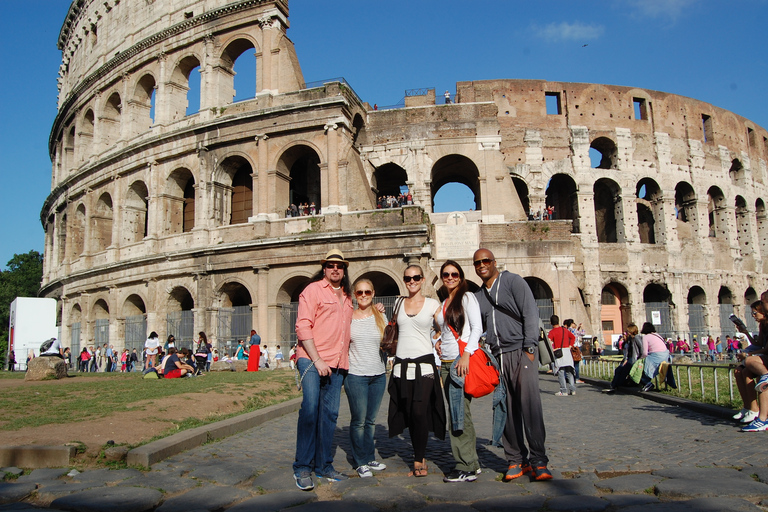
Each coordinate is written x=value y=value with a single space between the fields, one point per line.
x=154 y=206
x=262 y=305
x=331 y=179
x=264 y=76
x=666 y=222
x=262 y=185
x=626 y=219
x=162 y=101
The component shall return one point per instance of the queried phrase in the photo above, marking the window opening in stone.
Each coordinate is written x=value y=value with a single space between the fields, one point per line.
x=389 y=180
x=61 y=235
x=641 y=109
x=603 y=153
x=522 y=193
x=188 y=214
x=658 y=306
x=543 y=295
x=240 y=58
x=648 y=209
x=706 y=122
x=461 y=177
x=608 y=211
x=194 y=92
x=716 y=208
x=751 y=137
x=742 y=222
x=78 y=231
x=135 y=219
x=614 y=308
x=101 y=223
x=561 y=194
x=736 y=172
x=765 y=145
x=183 y=90
x=85 y=145
x=553 y=103
x=144 y=104
x=242 y=196
x=685 y=211
x=762 y=227
x=109 y=122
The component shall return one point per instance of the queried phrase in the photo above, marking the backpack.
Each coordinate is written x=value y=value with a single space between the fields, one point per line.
x=47 y=344
x=151 y=373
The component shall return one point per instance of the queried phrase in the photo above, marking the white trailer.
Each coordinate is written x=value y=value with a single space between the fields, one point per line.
x=33 y=320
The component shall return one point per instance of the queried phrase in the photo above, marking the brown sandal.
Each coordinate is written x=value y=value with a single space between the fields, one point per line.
x=419 y=472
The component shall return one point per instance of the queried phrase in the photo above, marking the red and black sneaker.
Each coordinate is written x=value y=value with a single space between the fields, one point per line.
x=541 y=473
x=516 y=471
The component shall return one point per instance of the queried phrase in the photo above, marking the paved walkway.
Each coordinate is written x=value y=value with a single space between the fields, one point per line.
x=608 y=452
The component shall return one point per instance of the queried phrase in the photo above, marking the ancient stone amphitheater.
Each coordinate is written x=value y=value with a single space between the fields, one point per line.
x=167 y=204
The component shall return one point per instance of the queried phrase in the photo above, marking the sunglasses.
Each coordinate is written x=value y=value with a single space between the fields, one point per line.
x=360 y=293
x=454 y=275
x=339 y=266
x=416 y=279
x=484 y=261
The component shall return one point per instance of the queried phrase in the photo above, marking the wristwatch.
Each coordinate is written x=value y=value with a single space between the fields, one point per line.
x=530 y=350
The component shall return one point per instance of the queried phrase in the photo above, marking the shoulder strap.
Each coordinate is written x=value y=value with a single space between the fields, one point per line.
x=500 y=308
x=398 y=303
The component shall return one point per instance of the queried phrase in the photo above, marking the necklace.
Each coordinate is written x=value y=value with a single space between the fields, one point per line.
x=336 y=287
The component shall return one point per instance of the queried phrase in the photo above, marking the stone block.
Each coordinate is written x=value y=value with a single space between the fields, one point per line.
x=36 y=456
x=222 y=366
x=240 y=366
x=116 y=453
x=46 y=368
x=114 y=499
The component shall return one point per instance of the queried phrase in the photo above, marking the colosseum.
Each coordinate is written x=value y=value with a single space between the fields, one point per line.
x=168 y=202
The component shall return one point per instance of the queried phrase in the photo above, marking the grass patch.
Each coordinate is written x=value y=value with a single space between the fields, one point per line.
x=44 y=403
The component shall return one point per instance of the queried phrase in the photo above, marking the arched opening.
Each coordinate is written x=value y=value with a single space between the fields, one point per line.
x=180 y=202
x=144 y=104
x=615 y=312
x=648 y=209
x=85 y=136
x=658 y=305
x=135 y=213
x=460 y=170
x=75 y=330
x=608 y=211
x=299 y=177
x=235 y=316
x=180 y=320
x=697 y=313
x=543 y=295
x=69 y=148
x=521 y=187
x=109 y=122
x=742 y=223
x=100 y=312
x=718 y=221
x=78 y=231
x=736 y=172
x=234 y=195
x=184 y=88
x=135 y=312
x=383 y=284
x=750 y=296
x=288 y=304
x=761 y=219
x=603 y=153
x=685 y=211
x=358 y=125
x=101 y=222
x=725 y=301
x=389 y=180
x=61 y=235
x=243 y=69
x=562 y=196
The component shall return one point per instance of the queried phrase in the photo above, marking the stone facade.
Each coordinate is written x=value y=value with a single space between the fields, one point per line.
x=164 y=220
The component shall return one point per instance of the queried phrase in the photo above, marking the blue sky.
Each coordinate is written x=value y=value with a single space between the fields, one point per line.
x=710 y=50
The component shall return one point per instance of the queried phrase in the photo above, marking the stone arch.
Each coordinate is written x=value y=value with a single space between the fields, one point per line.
x=235 y=318
x=233 y=293
x=615 y=310
x=384 y=284
x=100 y=309
x=298 y=176
x=743 y=228
x=389 y=180
x=686 y=211
x=658 y=308
x=609 y=218
x=136 y=206
x=143 y=103
x=521 y=187
x=736 y=172
x=233 y=191
x=180 y=201
x=725 y=303
x=180 y=319
x=70 y=144
x=542 y=292
x=61 y=235
x=358 y=126
x=134 y=305
x=608 y=151
x=179 y=89
x=79 y=221
x=649 y=213
x=75 y=314
x=456 y=169
x=110 y=120
x=101 y=222
x=85 y=135
x=697 y=312
x=716 y=206
x=562 y=194
x=230 y=58
x=761 y=220
x=180 y=299
x=291 y=287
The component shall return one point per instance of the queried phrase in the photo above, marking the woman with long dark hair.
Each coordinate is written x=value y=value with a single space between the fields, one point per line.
x=461 y=326
x=415 y=398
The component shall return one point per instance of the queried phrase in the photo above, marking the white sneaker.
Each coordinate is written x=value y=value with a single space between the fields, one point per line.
x=377 y=466
x=749 y=417
x=364 y=471
x=740 y=415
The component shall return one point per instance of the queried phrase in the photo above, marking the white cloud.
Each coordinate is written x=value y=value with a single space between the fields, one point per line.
x=671 y=9
x=564 y=31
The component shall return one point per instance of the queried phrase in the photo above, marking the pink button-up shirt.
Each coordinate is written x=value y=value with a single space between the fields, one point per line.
x=325 y=320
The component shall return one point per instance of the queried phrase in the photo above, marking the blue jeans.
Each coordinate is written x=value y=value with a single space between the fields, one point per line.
x=317 y=419
x=652 y=363
x=364 y=394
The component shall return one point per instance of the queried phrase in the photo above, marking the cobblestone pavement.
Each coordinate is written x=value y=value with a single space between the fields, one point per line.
x=607 y=452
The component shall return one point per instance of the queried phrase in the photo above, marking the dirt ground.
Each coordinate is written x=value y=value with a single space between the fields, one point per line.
x=121 y=427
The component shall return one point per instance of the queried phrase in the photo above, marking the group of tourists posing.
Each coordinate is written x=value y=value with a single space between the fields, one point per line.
x=340 y=346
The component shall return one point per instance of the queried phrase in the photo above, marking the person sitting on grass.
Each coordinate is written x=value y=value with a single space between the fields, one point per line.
x=173 y=367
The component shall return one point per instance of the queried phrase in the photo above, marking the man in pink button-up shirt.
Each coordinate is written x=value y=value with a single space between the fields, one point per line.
x=322 y=327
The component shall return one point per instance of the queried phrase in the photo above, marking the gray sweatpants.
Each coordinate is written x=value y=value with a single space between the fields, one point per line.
x=524 y=412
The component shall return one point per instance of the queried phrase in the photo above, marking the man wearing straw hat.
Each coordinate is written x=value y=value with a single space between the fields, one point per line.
x=322 y=328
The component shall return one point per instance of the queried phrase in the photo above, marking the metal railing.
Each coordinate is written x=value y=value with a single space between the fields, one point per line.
x=340 y=79
x=696 y=381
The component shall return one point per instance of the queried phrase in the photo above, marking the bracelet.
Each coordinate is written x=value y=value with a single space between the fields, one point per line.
x=316 y=360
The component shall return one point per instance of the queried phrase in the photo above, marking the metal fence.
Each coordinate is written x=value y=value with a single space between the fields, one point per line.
x=101 y=332
x=182 y=325
x=74 y=344
x=135 y=334
x=234 y=324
